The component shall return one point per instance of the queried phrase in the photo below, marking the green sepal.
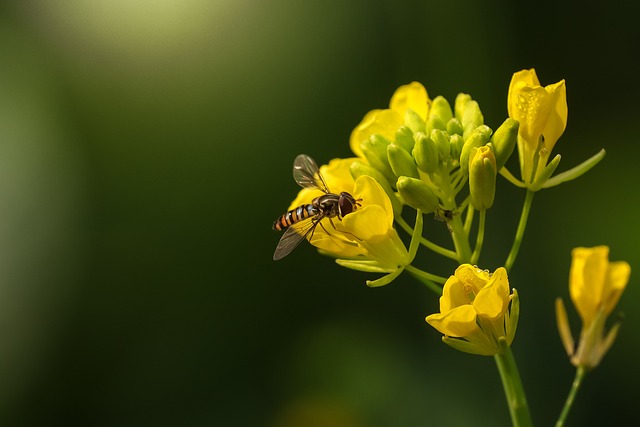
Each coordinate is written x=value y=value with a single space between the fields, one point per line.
x=417 y=194
x=368 y=266
x=358 y=169
x=425 y=153
x=575 y=172
x=479 y=137
x=512 y=317
x=384 y=280
x=404 y=138
x=465 y=346
x=414 y=122
x=504 y=141
x=456 y=141
x=546 y=173
x=402 y=164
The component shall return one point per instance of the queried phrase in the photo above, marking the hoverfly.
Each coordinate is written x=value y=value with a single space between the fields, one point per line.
x=301 y=222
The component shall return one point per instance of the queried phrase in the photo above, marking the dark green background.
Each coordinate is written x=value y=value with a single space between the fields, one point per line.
x=146 y=148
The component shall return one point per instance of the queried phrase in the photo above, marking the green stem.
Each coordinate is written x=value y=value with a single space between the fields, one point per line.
x=520 y=231
x=513 y=390
x=577 y=382
x=428 y=244
x=428 y=279
x=460 y=239
x=479 y=238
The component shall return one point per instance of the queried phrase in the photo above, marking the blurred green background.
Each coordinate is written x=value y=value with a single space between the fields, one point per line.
x=146 y=148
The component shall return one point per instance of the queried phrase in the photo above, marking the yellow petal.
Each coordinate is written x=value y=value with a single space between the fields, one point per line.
x=459 y=322
x=381 y=122
x=412 y=96
x=492 y=301
x=367 y=222
x=453 y=295
x=557 y=119
x=587 y=277
x=371 y=193
x=472 y=277
x=616 y=281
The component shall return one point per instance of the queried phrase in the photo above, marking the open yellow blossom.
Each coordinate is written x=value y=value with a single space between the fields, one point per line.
x=595 y=286
x=386 y=122
x=542 y=113
x=365 y=239
x=474 y=310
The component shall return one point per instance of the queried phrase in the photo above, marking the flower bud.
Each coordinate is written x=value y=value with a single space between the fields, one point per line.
x=440 y=108
x=404 y=138
x=359 y=169
x=482 y=177
x=425 y=153
x=460 y=104
x=417 y=194
x=478 y=138
x=401 y=161
x=413 y=121
x=504 y=141
x=435 y=122
x=471 y=117
x=456 y=142
x=375 y=151
x=441 y=138
x=454 y=127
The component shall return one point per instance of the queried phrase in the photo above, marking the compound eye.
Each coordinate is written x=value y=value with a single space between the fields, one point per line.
x=346 y=204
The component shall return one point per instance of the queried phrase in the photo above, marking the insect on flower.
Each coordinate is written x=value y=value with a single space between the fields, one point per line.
x=301 y=222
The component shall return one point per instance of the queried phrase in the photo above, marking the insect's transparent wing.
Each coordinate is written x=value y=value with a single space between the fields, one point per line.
x=293 y=236
x=307 y=174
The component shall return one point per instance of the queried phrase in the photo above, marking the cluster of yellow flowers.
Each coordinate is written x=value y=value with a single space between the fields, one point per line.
x=439 y=158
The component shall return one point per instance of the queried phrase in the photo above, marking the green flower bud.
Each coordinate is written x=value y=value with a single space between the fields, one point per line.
x=461 y=102
x=375 y=151
x=440 y=108
x=441 y=138
x=414 y=121
x=454 y=127
x=478 y=138
x=404 y=138
x=471 y=118
x=482 y=177
x=504 y=141
x=359 y=168
x=435 y=122
x=457 y=142
x=417 y=194
x=425 y=153
x=401 y=161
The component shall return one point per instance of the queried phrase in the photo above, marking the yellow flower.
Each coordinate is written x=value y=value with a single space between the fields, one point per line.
x=542 y=113
x=474 y=310
x=595 y=286
x=365 y=239
x=386 y=122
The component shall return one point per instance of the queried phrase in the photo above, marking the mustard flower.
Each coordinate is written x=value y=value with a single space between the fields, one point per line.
x=365 y=239
x=474 y=310
x=408 y=100
x=595 y=286
x=542 y=113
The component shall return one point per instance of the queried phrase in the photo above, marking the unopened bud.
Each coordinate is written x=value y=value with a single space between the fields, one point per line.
x=471 y=118
x=375 y=151
x=504 y=141
x=404 y=138
x=441 y=138
x=479 y=137
x=482 y=178
x=454 y=127
x=425 y=153
x=417 y=194
x=413 y=121
x=402 y=164
x=440 y=108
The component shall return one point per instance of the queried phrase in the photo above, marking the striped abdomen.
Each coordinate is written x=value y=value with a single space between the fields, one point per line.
x=295 y=215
